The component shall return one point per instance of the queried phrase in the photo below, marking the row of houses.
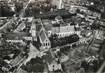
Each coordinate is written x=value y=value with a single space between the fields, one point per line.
x=51 y=15
x=96 y=43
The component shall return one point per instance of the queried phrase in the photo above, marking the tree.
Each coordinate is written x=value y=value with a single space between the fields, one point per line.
x=78 y=10
x=35 y=65
x=18 y=6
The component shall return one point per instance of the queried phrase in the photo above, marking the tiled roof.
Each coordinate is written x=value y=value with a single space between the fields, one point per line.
x=20 y=27
x=98 y=41
x=96 y=45
x=47 y=24
x=95 y=48
x=48 y=58
x=16 y=36
x=42 y=35
x=16 y=60
x=21 y=71
x=63 y=13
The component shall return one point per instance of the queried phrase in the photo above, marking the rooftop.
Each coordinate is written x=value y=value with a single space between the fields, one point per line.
x=16 y=36
x=51 y=15
x=42 y=35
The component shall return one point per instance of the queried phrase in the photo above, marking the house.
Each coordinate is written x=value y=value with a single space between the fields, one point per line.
x=33 y=31
x=63 y=31
x=59 y=20
x=97 y=14
x=16 y=37
x=18 y=60
x=44 y=40
x=51 y=15
x=58 y=3
x=52 y=64
x=94 y=50
x=20 y=27
x=58 y=27
x=96 y=45
x=21 y=71
x=98 y=41
x=90 y=19
x=99 y=35
x=93 y=9
x=86 y=33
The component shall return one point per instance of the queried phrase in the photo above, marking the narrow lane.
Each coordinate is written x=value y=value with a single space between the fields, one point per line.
x=101 y=68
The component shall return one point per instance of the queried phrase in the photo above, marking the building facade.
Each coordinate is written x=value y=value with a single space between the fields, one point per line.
x=44 y=40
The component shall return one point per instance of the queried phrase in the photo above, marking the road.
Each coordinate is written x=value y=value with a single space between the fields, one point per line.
x=5 y=25
x=93 y=39
x=101 y=68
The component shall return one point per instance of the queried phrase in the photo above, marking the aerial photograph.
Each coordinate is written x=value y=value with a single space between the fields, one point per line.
x=52 y=36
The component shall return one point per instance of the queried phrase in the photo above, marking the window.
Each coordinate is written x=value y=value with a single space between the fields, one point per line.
x=59 y=35
x=46 y=44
